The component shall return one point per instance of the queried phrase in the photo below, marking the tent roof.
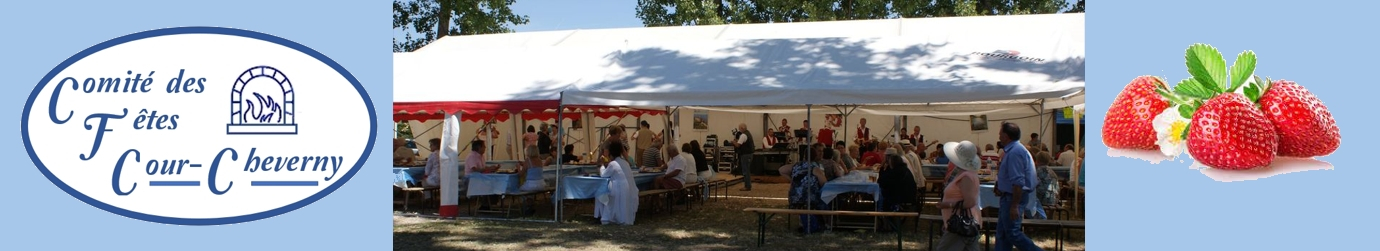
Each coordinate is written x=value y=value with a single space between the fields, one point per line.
x=933 y=66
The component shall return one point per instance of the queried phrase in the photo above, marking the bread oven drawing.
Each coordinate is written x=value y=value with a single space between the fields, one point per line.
x=261 y=102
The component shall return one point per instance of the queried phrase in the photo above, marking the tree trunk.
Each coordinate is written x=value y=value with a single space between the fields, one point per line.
x=847 y=10
x=443 y=18
x=719 y=7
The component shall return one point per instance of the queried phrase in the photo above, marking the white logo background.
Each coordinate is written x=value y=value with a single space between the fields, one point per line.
x=332 y=118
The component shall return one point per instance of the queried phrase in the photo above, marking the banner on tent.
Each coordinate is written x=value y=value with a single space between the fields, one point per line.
x=1065 y=116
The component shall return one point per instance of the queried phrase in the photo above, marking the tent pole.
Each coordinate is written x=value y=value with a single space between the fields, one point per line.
x=666 y=126
x=560 y=110
x=844 y=129
x=490 y=137
x=588 y=118
x=1077 y=148
x=518 y=124
x=809 y=137
x=675 y=125
x=1041 y=112
x=895 y=123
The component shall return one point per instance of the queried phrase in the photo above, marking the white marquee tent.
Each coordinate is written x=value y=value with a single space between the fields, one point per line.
x=933 y=67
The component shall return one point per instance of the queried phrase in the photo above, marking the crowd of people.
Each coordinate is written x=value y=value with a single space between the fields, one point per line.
x=1025 y=184
x=675 y=164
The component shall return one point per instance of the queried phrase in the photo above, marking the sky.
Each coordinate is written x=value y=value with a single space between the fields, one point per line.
x=548 y=15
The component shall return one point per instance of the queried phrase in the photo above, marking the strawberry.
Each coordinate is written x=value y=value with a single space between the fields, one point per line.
x=1304 y=125
x=1127 y=125
x=1229 y=132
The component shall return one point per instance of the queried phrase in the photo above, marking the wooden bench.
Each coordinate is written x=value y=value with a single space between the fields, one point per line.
x=727 y=183
x=407 y=194
x=508 y=208
x=765 y=214
x=655 y=196
x=691 y=190
x=989 y=227
x=1062 y=225
x=715 y=185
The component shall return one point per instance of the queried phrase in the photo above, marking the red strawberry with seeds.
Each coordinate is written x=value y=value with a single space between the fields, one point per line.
x=1229 y=132
x=1127 y=125
x=1304 y=125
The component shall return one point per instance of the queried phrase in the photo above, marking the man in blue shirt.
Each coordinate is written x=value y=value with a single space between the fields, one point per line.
x=1015 y=182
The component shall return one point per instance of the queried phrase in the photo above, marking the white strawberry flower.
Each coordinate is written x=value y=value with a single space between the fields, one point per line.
x=1169 y=126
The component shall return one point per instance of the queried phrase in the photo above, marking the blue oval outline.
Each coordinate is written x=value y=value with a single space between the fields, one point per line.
x=368 y=103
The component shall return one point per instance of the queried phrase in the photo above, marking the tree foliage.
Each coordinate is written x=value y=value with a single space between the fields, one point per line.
x=428 y=18
x=710 y=12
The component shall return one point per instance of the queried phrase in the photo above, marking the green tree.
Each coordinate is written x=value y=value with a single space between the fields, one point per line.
x=430 y=19
x=403 y=130
x=707 y=12
x=1077 y=7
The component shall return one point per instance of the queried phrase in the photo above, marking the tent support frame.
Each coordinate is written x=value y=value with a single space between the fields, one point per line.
x=560 y=202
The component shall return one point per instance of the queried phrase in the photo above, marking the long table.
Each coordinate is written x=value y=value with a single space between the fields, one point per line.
x=581 y=187
x=493 y=184
x=831 y=190
x=986 y=198
x=645 y=180
x=854 y=182
x=935 y=172
x=404 y=177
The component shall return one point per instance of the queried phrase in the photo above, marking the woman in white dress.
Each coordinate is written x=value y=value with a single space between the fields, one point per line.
x=621 y=205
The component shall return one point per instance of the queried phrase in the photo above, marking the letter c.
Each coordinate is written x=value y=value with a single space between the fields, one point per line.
x=115 y=179
x=52 y=102
x=211 y=181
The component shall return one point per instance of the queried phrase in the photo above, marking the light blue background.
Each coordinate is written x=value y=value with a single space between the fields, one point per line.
x=37 y=35
x=1325 y=46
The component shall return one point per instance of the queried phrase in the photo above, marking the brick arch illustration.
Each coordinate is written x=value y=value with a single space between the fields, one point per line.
x=245 y=112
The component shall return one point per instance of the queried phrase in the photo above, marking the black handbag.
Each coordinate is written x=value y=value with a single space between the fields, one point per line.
x=962 y=222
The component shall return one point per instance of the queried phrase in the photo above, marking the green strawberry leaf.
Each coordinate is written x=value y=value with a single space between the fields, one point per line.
x=1242 y=69
x=1187 y=111
x=1206 y=65
x=1184 y=135
x=1192 y=88
x=1253 y=92
x=1173 y=98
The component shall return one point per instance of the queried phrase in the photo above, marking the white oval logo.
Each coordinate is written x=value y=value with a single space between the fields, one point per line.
x=198 y=126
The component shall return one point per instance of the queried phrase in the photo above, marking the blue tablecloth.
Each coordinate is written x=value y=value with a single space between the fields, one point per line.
x=408 y=176
x=935 y=172
x=986 y=198
x=834 y=188
x=493 y=184
x=572 y=169
x=645 y=180
x=549 y=173
x=1061 y=171
x=580 y=187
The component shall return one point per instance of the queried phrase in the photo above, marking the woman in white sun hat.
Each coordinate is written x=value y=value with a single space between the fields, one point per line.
x=962 y=187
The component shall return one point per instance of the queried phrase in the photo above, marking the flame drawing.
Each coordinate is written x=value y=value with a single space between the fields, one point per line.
x=266 y=104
